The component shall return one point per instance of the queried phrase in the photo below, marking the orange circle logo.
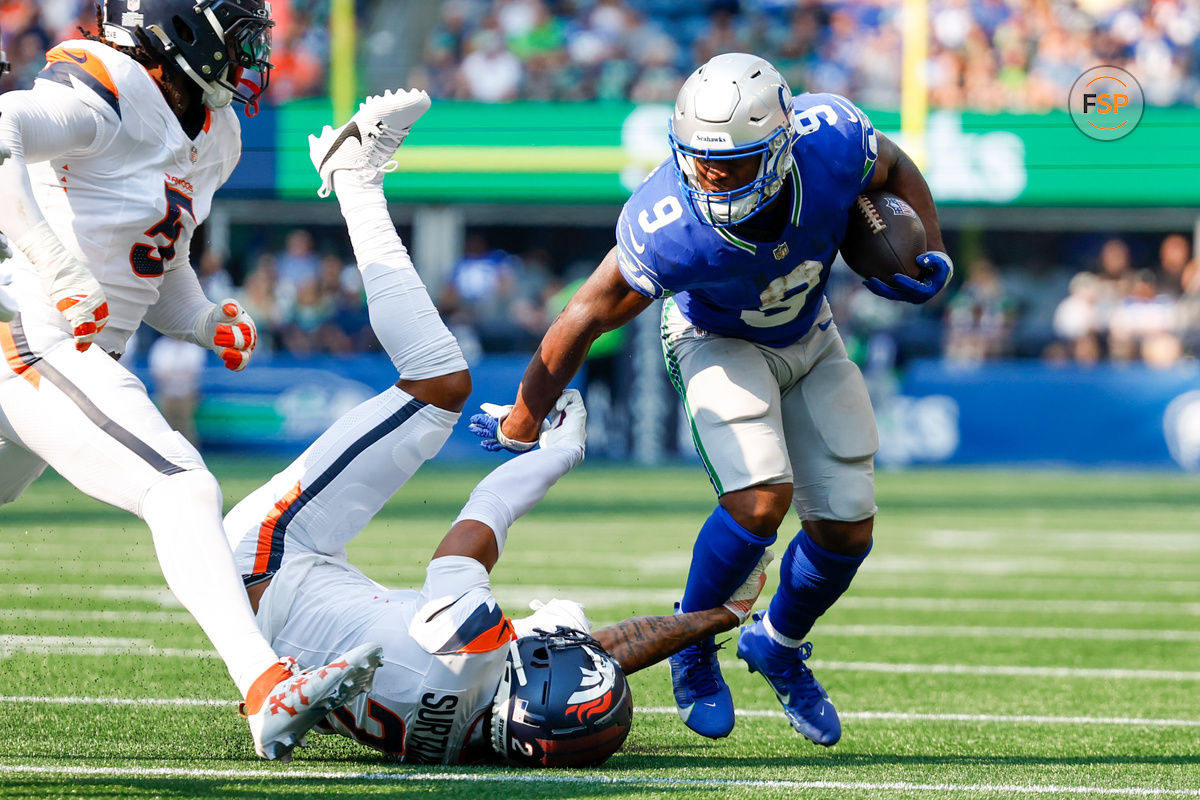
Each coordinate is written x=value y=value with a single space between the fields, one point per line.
x=1106 y=103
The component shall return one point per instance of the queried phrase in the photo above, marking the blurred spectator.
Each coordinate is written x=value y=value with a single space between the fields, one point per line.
x=298 y=263
x=258 y=297
x=215 y=280
x=979 y=317
x=1174 y=260
x=1143 y=316
x=495 y=298
x=490 y=72
x=1077 y=320
x=175 y=367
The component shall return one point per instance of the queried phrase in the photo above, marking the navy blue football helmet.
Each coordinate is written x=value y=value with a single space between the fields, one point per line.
x=562 y=702
x=214 y=42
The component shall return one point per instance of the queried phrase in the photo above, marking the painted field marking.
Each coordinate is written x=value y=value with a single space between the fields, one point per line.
x=114 y=646
x=886 y=716
x=1022 y=604
x=1013 y=632
x=931 y=631
x=593 y=779
x=11 y=644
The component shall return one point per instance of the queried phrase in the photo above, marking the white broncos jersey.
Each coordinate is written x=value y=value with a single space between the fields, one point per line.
x=126 y=206
x=444 y=651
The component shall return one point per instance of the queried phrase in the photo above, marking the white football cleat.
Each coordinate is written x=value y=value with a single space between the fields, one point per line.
x=371 y=137
x=290 y=707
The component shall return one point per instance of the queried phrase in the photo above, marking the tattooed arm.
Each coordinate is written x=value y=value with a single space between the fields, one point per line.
x=641 y=641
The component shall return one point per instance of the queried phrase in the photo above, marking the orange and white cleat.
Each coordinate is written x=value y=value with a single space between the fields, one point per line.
x=285 y=703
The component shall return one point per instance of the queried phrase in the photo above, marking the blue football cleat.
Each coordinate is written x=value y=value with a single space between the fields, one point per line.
x=803 y=698
x=701 y=694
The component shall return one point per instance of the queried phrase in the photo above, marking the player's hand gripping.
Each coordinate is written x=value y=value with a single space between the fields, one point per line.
x=74 y=291
x=741 y=603
x=936 y=271
x=229 y=332
x=573 y=424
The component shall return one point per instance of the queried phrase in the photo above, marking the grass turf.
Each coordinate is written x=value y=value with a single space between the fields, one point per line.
x=1012 y=634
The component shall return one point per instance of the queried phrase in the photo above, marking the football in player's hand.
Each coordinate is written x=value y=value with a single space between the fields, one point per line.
x=884 y=237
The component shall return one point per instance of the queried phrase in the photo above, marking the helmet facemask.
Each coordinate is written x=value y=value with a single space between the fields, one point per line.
x=734 y=106
x=213 y=42
x=725 y=208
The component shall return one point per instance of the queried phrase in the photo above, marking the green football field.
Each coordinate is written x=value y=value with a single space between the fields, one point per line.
x=1013 y=634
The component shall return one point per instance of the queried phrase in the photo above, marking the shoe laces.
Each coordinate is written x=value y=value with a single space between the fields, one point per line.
x=385 y=142
x=800 y=678
x=699 y=665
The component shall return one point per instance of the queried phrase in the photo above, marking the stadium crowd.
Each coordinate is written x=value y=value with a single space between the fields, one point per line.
x=300 y=56
x=1017 y=55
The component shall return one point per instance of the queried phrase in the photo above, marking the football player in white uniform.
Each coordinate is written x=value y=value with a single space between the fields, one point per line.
x=460 y=681
x=114 y=156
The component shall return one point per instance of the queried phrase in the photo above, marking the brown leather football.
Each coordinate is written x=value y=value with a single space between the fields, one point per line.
x=884 y=236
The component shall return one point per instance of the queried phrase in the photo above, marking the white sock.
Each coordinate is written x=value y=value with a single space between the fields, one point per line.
x=779 y=638
x=184 y=515
x=402 y=314
x=516 y=486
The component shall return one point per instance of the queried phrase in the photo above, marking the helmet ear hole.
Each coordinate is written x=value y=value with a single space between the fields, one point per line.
x=183 y=30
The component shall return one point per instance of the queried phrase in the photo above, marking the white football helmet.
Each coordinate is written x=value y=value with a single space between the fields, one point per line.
x=734 y=106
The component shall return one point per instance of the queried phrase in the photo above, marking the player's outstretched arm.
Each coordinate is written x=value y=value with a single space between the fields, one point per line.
x=515 y=487
x=896 y=173
x=604 y=302
x=38 y=126
x=639 y=642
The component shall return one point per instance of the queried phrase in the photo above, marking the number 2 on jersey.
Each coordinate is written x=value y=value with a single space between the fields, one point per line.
x=149 y=260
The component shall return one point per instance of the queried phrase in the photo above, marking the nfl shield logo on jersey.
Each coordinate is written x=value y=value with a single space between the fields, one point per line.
x=194 y=155
x=780 y=251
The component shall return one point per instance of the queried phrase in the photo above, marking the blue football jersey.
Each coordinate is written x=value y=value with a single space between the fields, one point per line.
x=767 y=292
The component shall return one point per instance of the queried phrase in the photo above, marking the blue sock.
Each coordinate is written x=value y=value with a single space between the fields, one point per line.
x=724 y=556
x=811 y=579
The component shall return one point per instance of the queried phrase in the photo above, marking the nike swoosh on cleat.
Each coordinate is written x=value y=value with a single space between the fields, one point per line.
x=351 y=130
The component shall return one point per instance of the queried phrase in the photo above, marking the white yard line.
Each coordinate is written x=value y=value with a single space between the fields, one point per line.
x=1022 y=604
x=93 y=646
x=1012 y=632
x=591 y=779
x=886 y=716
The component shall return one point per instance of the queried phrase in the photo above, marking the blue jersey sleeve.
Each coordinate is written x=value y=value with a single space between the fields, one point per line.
x=634 y=259
x=847 y=138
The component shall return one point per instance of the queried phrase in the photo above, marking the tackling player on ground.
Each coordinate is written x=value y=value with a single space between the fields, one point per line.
x=113 y=159
x=738 y=230
x=460 y=681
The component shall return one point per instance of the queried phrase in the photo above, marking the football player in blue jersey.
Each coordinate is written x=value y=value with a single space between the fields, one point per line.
x=738 y=231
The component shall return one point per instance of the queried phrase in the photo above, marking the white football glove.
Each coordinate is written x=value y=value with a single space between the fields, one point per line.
x=74 y=291
x=567 y=425
x=228 y=331
x=742 y=601
x=548 y=616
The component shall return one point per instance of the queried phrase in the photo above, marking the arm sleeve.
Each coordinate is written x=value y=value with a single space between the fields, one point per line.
x=180 y=303
x=515 y=487
x=47 y=122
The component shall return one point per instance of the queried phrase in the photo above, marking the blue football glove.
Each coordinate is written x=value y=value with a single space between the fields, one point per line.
x=487 y=427
x=936 y=271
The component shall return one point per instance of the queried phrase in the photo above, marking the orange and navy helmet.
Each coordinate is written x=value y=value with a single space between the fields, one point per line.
x=563 y=701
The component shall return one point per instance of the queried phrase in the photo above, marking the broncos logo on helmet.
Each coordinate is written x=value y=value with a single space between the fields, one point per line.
x=214 y=42
x=562 y=702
